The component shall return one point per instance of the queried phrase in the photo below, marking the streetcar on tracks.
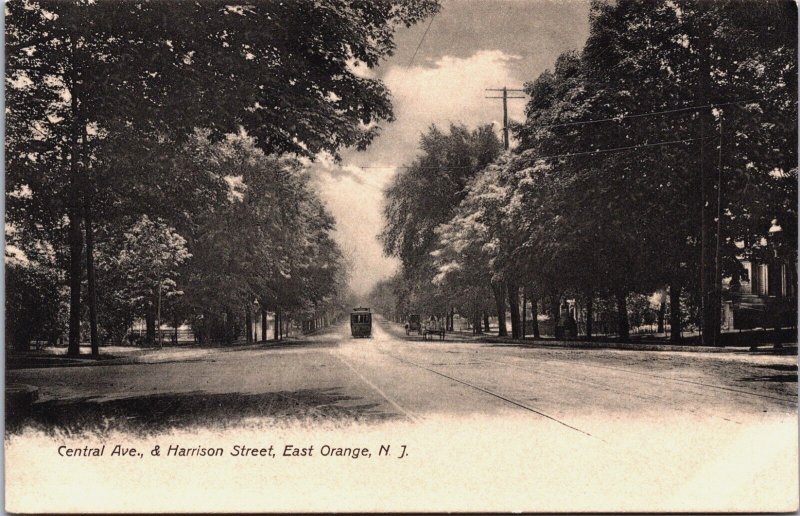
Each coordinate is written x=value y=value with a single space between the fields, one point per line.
x=361 y=322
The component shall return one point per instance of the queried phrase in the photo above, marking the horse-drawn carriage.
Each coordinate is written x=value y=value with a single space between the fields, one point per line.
x=413 y=324
x=427 y=328
x=432 y=327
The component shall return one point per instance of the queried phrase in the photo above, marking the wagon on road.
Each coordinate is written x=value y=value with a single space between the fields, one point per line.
x=413 y=324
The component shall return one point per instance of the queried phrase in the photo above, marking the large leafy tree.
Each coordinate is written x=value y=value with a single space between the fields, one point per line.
x=650 y=138
x=102 y=90
x=149 y=257
x=269 y=240
x=472 y=254
x=425 y=195
x=732 y=67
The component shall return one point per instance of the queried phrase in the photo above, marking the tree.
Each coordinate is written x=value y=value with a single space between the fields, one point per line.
x=80 y=74
x=737 y=62
x=267 y=240
x=425 y=195
x=150 y=256
x=618 y=207
x=34 y=301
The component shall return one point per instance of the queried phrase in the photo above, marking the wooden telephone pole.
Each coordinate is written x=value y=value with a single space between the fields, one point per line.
x=505 y=98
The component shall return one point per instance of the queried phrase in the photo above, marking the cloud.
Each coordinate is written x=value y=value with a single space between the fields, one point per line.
x=354 y=196
x=447 y=89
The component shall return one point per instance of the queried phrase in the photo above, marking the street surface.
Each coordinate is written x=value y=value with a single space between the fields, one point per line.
x=480 y=427
x=393 y=377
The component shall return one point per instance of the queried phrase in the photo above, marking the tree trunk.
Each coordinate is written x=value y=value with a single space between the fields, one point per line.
x=452 y=326
x=158 y=313
x=675 y=312
x=90 y=275
x=555 y=313
x=77 y=135
x=524 y=314
x=22 y=344
x=555 y=309
x=263 y=325
x=276 y=326
x=500 y=300
x=513 y=306
x=248 y=321
x=535 y=317
x=662 y=311
x=486 y=322
x=175 y=329
x=622 y=316
x=205 y=335
x=150 y=325
x=589 y=314
x=75 y=272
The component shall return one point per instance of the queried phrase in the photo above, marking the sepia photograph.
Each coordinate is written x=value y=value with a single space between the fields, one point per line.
x=400 y=256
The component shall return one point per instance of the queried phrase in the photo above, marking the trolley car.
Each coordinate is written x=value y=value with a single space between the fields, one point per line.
x=361 y=322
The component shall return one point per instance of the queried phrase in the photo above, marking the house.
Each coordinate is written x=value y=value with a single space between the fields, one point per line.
x=767 y=295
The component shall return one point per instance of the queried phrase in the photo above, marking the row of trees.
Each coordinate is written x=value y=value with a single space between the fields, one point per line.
x=655 y=159
x=152 y=156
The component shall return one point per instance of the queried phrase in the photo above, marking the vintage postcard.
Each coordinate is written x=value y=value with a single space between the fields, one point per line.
x=400 y=255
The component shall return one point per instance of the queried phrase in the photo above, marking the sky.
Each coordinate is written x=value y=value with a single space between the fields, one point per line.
x=471 y=45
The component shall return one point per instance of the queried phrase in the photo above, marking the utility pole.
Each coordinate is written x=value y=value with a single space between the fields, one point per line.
x=505 y=98
x=709 y=192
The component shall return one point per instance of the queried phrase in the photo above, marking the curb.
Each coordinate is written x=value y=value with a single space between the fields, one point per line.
x=20 y=396
x=622 y=346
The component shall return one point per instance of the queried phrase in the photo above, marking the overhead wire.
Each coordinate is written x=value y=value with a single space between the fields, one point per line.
x=616 y=149
x=651 y=113
x=597 y=151
x=411 y=61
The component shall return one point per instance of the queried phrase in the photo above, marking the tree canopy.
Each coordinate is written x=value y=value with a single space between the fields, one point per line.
x=105 y=100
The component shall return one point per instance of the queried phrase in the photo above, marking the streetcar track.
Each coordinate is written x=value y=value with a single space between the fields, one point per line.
x=413 y=417
x=792 y=401
x=576 y=380
x=496 y=395
x=605 y=387
x=739 y=391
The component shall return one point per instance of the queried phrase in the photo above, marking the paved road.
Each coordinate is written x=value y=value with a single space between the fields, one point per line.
x=487 y=427
x=391 y=377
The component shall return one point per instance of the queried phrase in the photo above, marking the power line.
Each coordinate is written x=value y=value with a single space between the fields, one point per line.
x=596 y=151
x=421 y=40
x=666 y=111
x=616 y=149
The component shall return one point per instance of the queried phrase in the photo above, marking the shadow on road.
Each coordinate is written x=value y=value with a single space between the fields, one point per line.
x=153 y=413
x=297 y=344
x=784 y=373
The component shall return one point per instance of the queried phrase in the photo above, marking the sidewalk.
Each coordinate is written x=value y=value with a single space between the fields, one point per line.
x=123 y=355
x=466 y=336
